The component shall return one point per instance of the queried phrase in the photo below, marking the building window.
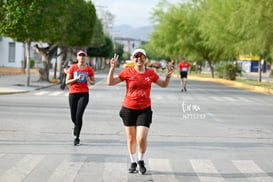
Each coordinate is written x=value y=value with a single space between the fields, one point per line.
x=12 y=52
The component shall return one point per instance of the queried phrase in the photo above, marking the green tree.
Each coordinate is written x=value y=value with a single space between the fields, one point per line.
x=255 y=29
x=165 y=33
x=177 y=33
x=21 y=20
x=104 y=50
x=66 y=28
x=118 y=49
x=214 y=30
x=152 y=51
x=53 y=22
x=98 y=38
x=101 y=45
x=238 y=27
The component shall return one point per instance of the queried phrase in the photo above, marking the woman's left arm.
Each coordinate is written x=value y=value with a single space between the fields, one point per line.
x=165 y=83
x=91 y=80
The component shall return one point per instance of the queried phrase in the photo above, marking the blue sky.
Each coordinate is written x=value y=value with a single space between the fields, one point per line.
x=132 y=12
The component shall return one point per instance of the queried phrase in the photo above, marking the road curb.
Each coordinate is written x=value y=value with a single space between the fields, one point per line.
x=12 y=91
x=233 y=84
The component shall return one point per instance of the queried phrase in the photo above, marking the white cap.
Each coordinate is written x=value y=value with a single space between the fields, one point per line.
x=139 y=50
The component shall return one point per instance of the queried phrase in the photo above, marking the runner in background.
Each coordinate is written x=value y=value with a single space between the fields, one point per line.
x=183 y=68
x=78 y=77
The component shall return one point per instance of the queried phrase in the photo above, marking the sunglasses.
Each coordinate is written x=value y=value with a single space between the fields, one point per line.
x=139 y=55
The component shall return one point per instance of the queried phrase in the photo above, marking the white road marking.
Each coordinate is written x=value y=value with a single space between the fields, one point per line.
x=55 y=93
x=41 y=93
x=252 y=171
x=162 y=170
x=115 y=171
x=206 y=171
x=21 y=169
x=66 y=171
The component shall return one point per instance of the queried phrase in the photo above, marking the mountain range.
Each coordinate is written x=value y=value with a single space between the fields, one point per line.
x=127 y=31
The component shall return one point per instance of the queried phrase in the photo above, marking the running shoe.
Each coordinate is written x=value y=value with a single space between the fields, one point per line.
x=133 y=167
x=77 y=141
x=142 y=169
x=185 y=89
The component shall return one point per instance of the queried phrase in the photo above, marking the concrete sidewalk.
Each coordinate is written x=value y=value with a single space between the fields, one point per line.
x=15 y=83
x=254 y=76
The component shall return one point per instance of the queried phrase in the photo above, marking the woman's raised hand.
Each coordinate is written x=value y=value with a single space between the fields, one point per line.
x=114 y=61
x=170 y=70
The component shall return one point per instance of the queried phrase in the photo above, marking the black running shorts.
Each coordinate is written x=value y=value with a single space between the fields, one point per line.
x=183 y=74
x=136 y=117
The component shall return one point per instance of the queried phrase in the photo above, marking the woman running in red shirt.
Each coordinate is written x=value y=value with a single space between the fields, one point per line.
x=77 y=77
x=136 y=110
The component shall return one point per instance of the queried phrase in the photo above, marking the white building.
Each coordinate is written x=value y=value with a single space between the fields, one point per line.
x=13 y=54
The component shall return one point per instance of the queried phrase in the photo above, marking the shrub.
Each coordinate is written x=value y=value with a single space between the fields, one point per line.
x=228 y=71
x=32 y=63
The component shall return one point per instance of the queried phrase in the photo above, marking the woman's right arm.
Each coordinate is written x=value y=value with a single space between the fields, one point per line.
x=111 y=79
x=69 y=79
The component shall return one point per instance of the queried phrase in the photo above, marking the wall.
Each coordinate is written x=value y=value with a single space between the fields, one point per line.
x=4 y=53
x=19 y=54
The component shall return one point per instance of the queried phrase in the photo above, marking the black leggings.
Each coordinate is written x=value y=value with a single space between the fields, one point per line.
x=78 y=103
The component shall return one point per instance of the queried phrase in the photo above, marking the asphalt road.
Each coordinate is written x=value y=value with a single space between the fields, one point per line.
x=210 y=133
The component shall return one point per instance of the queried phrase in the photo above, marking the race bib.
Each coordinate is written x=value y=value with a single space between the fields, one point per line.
x=83 y=78
x=184 y=69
